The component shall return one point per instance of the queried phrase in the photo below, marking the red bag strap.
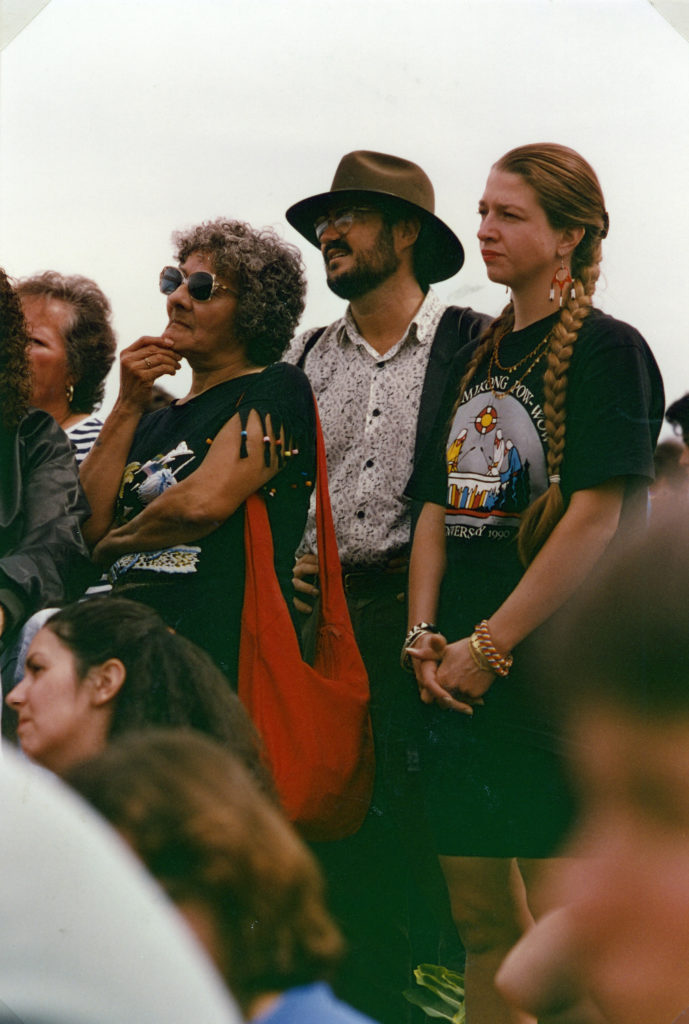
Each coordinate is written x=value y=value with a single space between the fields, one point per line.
x=329 y=567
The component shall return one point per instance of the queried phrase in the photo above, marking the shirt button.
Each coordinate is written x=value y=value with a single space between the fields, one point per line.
x=369 y=463
x=376 y=412
x=360 y=514
x=380 y=365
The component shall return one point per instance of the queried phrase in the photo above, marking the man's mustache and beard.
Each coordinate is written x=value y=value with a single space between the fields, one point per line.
x=371 y=266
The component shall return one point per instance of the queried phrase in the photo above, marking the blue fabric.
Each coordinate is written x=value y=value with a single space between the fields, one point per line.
x=313 y=1004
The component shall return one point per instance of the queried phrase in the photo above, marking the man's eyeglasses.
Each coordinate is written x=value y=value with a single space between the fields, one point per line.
x=202 y=285
x=342 y=221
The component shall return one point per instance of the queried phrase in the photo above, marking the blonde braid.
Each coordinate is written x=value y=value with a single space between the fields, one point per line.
x=496 y=330
x=543 y=515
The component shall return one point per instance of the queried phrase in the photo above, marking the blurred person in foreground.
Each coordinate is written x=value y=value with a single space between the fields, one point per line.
x=71 y=349
x=43 y=559
x=669 y=492
x=102 y=668
x=167 y=488
x=86 y=937
x=618 y=951
x=238 y=872
x=677 y=415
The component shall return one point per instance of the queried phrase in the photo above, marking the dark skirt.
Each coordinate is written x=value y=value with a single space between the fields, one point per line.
x=493 y=791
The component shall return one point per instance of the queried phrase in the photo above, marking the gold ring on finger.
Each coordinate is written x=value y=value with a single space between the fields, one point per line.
x=147 y=363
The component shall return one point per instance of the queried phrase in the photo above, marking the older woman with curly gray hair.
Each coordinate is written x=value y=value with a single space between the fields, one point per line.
x=167 y=488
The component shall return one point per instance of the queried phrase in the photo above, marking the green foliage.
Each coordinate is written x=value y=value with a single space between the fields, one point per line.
x=439 y=993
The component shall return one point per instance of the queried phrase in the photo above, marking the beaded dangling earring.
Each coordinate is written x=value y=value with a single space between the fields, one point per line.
x=561 y=278
x=69 y=391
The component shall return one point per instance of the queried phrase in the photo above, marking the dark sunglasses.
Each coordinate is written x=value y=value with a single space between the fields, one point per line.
x=202 y=285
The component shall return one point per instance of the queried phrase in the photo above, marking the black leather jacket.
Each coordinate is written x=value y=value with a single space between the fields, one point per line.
x=43 y=558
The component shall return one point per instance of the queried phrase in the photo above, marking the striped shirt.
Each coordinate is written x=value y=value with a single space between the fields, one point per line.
x=83 y=435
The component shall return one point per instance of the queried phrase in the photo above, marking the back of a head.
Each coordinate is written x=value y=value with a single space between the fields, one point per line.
x=86 y=937
x=15 y=379
x=209 y=836
x=625 y=639
x=677 y=414
x=668 y=465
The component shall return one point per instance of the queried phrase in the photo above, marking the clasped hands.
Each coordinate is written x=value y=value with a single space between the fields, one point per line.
x=447 y=674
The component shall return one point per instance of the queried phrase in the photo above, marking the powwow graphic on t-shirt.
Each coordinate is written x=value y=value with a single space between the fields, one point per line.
x=495 y=461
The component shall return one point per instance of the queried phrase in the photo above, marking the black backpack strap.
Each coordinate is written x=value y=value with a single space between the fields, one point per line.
x=310 y=342
x=458 y=327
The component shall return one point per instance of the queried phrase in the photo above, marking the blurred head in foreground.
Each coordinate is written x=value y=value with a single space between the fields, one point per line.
x=669 y=492
x=677 y=415
x=236 y=869
x=86 y=938
x=623 y=655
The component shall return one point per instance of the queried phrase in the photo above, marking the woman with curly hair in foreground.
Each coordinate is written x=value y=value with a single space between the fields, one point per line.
x=247 y=424
x=43 y=559
x=238 y=873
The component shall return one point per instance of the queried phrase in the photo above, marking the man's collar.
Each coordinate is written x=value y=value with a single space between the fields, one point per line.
x=421 y=329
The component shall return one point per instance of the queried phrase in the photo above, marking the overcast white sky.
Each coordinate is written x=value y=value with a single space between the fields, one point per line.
x=120 y=122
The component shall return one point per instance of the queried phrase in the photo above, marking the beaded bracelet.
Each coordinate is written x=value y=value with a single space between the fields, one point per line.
x=482 y=643
x=412 y=636
x=477 y=656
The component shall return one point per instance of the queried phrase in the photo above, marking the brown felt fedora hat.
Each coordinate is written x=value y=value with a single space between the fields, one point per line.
x=363 y=175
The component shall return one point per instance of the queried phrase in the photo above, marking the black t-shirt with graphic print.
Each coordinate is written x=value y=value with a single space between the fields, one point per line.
x=198 y=588
x=491 y=464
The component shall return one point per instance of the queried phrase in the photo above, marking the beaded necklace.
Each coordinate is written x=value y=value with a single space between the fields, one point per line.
x=534 y=355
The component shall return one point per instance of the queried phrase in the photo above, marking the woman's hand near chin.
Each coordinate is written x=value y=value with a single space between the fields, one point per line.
x=101 y=471
x=141 y=364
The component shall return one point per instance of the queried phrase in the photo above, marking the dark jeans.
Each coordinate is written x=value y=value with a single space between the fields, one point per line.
x=385 y=887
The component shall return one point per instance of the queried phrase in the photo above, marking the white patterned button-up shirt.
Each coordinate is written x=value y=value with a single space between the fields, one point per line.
x=368 y=405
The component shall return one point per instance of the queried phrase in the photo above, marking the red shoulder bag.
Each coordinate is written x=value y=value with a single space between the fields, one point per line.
x=314 y=721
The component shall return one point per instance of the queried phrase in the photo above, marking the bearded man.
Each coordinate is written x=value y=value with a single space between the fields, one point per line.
x=379 y=374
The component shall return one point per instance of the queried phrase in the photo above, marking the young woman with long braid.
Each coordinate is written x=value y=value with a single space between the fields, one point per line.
x=547 y=458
